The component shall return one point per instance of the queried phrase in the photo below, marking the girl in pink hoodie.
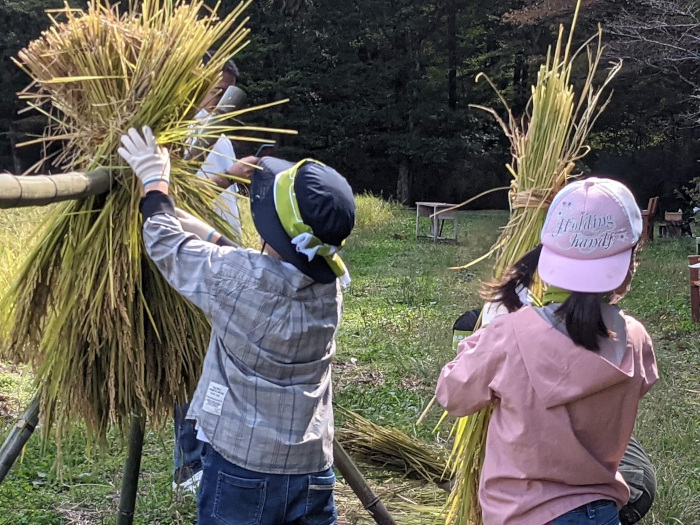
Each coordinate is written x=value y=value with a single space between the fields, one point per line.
x=567 y=376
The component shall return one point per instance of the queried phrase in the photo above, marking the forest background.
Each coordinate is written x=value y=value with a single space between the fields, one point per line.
x=381 y=89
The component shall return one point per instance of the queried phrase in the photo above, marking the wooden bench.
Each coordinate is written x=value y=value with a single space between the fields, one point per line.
x=433 y=211
x=694 y=260
x=648 y=220
x=673 y=227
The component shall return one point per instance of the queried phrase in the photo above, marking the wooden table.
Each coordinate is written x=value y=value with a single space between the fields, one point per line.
x=437 y=220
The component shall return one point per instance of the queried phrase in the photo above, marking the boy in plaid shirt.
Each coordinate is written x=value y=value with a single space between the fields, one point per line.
x=263 y=403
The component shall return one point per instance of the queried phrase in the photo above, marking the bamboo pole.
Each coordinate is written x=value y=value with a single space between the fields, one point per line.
x=18 y=437
x=132 y=467
x=359 y=486
x=40 y=190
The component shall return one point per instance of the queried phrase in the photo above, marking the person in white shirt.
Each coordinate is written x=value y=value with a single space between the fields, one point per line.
x=223 y=152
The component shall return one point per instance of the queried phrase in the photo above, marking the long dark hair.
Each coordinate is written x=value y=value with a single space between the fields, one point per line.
x=581 y=312
x=522 y=273
x=583 y=319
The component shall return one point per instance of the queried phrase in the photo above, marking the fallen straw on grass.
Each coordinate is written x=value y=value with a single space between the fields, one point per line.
x=390 y=448
x=409 y=503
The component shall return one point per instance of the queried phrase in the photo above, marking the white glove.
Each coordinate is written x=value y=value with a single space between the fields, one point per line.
x=193 y=225
x=150 y=163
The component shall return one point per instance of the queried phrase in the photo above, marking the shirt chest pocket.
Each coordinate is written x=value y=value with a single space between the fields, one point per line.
x=245 y=313
x=239 y=305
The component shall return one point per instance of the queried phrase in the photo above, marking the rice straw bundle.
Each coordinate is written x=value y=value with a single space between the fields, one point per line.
x=107 y=336
x=390 y=448
x=545 y=146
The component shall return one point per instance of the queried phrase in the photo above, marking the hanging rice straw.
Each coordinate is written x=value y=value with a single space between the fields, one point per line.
x=545 y=146
x=105 y=333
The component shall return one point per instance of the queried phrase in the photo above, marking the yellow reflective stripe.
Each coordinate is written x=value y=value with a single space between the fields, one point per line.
x=286 y=203
x=287 y=208
x=337 y=265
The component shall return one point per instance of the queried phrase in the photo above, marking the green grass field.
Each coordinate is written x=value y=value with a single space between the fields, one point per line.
x=395 y=337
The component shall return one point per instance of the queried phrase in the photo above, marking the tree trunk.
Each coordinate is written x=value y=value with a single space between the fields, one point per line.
x=403 y=187
x=452 y=55
x=520 y=82
x=16 y=162
x=289 y=7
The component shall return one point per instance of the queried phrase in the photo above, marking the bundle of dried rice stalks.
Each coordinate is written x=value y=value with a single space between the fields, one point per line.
x=545 y=145
x=106 y=335
x=391 y=448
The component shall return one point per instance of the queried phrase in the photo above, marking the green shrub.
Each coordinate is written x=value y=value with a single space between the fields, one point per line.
x=372 y=212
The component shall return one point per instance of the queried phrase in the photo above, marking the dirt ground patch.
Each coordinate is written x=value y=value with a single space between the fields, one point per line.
x=408 y=502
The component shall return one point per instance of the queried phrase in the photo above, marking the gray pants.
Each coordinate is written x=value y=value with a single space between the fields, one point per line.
x=636 y=468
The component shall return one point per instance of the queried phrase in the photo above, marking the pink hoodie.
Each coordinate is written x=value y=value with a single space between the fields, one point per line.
x=564 y=418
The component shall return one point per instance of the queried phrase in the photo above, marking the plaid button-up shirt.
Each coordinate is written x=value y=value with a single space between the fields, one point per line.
x=264 y=398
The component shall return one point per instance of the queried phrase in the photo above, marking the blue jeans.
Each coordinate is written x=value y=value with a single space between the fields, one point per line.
x=601 y=512
x=231 y=495
x=188 y=449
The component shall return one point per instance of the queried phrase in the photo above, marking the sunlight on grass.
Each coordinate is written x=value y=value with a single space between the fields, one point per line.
x=668 y=424
x=372 y=212
x=17 y=229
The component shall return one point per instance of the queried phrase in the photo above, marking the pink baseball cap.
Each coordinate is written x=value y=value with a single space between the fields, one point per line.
x=591 y=228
